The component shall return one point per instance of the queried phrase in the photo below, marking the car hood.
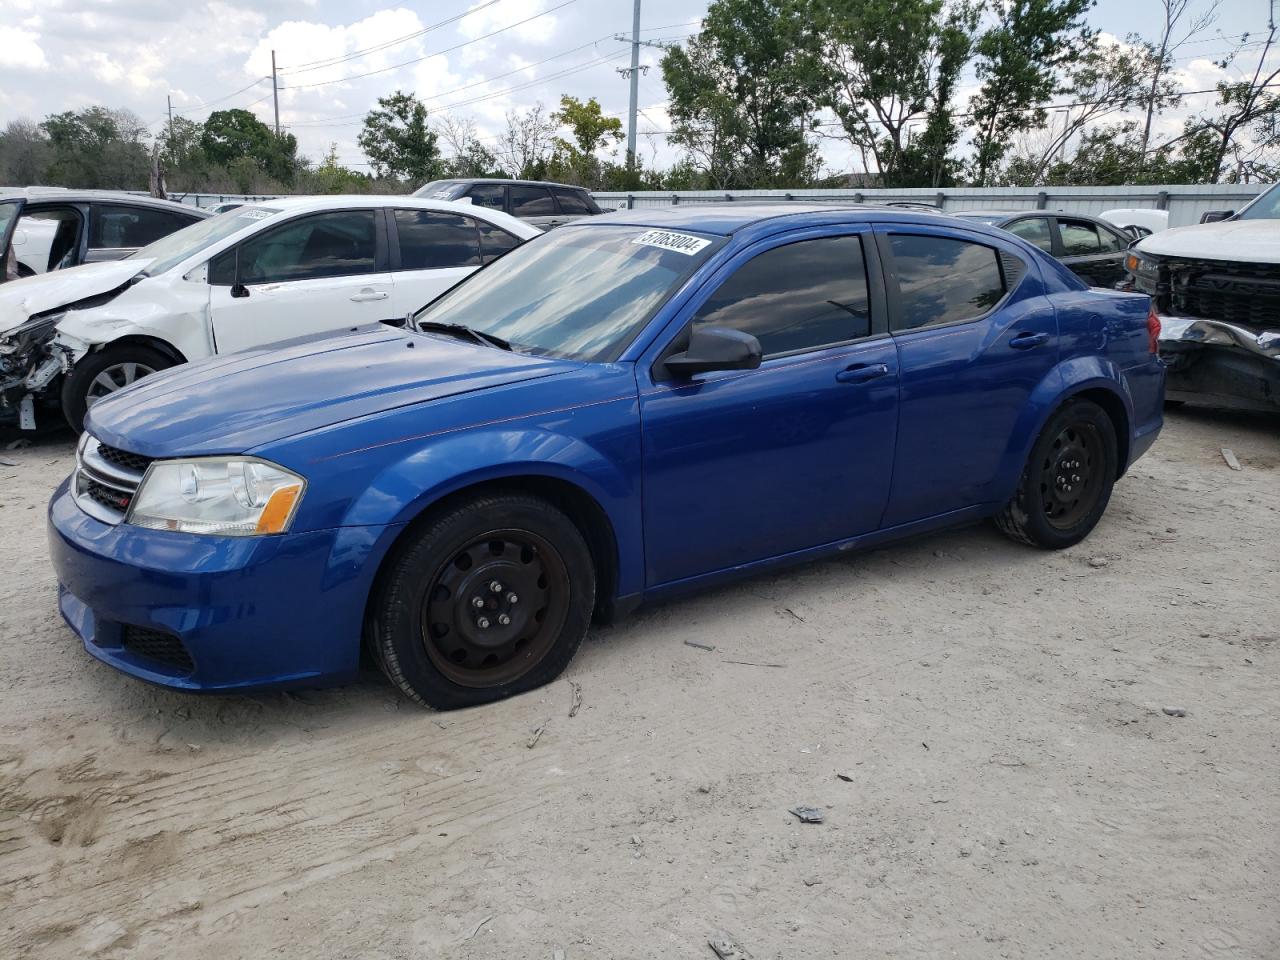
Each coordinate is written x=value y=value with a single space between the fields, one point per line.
x=1247 y=241
x=22 y=299
x=234 y=403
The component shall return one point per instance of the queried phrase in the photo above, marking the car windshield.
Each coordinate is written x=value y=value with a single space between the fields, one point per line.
x=167 y=252
x=577 y=292
x=1265 y=207
x=438 y=189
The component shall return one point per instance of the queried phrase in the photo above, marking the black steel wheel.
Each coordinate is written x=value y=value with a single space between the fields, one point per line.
x=481 y=601
x=1066 y=484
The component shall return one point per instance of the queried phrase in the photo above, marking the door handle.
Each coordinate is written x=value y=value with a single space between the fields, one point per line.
x=1025 y=341
x=862 y=372
x=368 y=296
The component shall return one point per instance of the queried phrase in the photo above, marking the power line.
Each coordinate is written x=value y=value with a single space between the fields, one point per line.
x=354 y=54
x=459 y=46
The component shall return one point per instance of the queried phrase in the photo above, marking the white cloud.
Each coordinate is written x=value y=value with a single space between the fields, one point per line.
x=487 y=19
x=22 y=50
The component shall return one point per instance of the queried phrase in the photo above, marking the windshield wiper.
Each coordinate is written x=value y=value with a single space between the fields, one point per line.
x=462 y=330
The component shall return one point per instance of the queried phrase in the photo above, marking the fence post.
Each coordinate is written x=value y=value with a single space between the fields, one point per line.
x=942 y=200
x=1162 y=200
x=631 y=202
x=1042 y=200
x=675 y=199
x=728 y=196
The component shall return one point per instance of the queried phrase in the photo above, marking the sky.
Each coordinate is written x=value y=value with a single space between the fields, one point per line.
x=473 y=59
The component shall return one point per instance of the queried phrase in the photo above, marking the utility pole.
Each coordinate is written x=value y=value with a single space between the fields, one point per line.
x=635 y=87
x=275 y=88
x=170 y=101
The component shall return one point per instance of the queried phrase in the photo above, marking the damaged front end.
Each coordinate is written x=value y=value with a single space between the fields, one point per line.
x=32 y=362
x=1220 y=327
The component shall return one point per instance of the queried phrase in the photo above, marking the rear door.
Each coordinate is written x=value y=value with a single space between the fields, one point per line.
x=1093 y=252
x=312 y=274
x=975 y=336
x=431 y=250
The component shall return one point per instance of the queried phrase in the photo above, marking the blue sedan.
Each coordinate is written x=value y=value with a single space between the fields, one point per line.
x=620 y=410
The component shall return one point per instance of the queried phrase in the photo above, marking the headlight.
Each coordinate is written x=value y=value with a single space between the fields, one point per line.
x=230 y=497
x=23 y=336
x=1141 y=266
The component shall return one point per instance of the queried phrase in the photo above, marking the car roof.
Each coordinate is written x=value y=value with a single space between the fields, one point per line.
x=319 y=204
x=524 y=183
x=65 y=195
x=731 y=217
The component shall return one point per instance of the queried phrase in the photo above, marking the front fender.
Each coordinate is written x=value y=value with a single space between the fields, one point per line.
x=405 y=487
x=178 y=317
x=1069 y=378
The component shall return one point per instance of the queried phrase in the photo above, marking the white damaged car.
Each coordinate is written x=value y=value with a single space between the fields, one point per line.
x=247 y=278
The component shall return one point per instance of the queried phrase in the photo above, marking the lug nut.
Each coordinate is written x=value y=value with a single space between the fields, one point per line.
x=504 y=620
x=495 y=586
x=483 y=623
x=512 y=598
x=477 y=602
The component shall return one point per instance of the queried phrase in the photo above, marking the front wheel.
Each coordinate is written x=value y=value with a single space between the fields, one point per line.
x=103 y=373
x=1067 y=481
x=490 y=599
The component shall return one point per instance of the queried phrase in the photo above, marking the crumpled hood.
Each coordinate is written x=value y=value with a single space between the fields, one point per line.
x=21 y=299
x=1239 y=241
x=234 y=403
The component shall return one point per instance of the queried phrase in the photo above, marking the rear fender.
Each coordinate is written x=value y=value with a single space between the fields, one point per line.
x=407 y=487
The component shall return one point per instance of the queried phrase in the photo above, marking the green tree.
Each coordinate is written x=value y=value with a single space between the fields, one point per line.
x=97 y=148
x=231 y=137
x=888 y=65
x=398 y=142
x=743 y=91
x=577 y=160
x=24 y=153
x=468 y=156
x=1019 y=61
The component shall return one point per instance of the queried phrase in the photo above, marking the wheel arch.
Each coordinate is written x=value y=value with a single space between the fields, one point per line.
x=144 y=340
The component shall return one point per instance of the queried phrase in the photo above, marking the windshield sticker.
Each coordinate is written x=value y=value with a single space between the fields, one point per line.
x=679 y=242
x=256 y=214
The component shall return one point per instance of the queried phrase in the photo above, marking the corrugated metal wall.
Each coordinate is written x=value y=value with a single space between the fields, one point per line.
x=1184 y=203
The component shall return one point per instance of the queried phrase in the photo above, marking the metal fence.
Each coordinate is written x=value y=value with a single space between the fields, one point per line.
x=1185 y=203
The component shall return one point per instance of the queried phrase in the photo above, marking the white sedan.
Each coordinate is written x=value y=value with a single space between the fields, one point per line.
x=251 y=277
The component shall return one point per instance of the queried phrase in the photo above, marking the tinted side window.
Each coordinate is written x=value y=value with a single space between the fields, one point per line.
x=1033 y=230
x=941 y=280
x=532 y=202
x=573 y=202
x=111 y=227
x=1079 y=238
x=433 y=241
x=494 y=241
x=491 y=195
x=327 y=245
x=1111 y=242
x=805 y=295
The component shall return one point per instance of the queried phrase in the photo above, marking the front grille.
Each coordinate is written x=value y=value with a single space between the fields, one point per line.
x=100 y=493
x=162 y=648
x=123 y=458
x=1244 y=294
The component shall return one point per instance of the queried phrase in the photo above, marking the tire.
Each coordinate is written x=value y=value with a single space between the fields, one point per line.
x=435 y=625
x=1066 y=484
x=88 y=380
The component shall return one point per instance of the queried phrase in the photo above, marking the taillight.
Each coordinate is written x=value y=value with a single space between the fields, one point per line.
x=1153 y=330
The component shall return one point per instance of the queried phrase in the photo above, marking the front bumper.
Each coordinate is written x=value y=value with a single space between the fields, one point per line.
x=1221 y=363
x=247 y=611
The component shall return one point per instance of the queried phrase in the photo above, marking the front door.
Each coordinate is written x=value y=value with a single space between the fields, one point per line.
x=745 y=465
x=1093 y=252
x=315 y=274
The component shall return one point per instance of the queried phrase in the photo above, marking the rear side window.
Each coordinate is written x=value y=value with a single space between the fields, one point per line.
x=531 y=202
x=573 y=202
x=491 y=195
x=113 y=227
x=943 y=280
x=430 y=240
x=804 y=295
x=494 y=241
x=1034 y=230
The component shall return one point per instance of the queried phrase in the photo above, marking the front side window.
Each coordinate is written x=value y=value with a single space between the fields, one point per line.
x=573 y=202
x=1079 y=238
x=943 y=280
x=431 y=240
x=1034 y=230
x=577 y=292
x=532 y=202
x=491 y=195
x=167 y=252
x=327 y=245
x=112 y=227
x=494 y=241
x=801 y=296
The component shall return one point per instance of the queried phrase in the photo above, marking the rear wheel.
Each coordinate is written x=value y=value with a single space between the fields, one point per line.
x=491 y=599
x=1066 y=484
x=103 y=373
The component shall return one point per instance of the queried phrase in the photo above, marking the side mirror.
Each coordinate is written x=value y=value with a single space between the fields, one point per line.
x=716 y=348
x=239 y=290
x=1213 y=216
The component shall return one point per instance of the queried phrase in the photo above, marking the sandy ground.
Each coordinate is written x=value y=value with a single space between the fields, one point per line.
x=981 y=722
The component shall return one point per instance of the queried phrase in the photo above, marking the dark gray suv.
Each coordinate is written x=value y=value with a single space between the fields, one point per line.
x=543 y=204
